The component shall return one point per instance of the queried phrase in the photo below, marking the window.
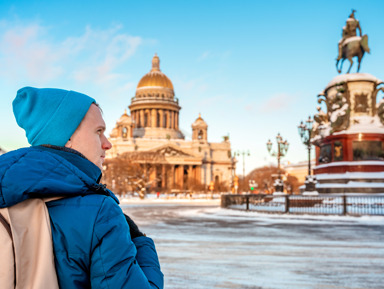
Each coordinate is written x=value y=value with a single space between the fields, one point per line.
x=200 y=134
x=367 y=150
x=124 y=132
x=325 y=154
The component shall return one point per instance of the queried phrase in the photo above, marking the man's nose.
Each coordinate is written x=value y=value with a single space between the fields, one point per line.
x=106 y=145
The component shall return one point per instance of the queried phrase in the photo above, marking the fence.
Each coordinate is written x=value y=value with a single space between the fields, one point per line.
x=299 y=204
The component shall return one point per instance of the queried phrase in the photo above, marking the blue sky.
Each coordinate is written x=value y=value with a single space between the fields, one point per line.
x=251 y=68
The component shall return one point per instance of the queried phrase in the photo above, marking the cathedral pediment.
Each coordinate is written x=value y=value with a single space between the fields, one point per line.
x=169 y=151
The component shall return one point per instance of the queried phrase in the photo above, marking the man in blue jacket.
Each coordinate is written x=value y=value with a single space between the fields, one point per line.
x=95 y=244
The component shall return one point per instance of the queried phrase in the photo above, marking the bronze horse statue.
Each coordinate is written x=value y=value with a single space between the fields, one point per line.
x=353 y=46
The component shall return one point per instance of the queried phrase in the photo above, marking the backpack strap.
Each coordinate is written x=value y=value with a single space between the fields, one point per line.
x=7 y=252
x=6 y=225
x=47 y=200
x=33 y=248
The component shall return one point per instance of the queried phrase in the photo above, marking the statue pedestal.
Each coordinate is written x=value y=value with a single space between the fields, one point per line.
x=279 y=187
x=351 y=139
x=310 y=186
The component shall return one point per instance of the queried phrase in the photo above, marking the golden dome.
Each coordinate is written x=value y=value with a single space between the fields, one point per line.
x=200 y=122
x=125 y=118
x=155 y=78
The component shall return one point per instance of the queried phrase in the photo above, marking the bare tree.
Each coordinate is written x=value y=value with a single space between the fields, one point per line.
x=142 y=172
x=132 y=172
x=264 y=177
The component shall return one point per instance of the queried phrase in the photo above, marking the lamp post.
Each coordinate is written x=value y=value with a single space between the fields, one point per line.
x=282 y=149
x=243 y=153
x=305 y=132
x=234 y=177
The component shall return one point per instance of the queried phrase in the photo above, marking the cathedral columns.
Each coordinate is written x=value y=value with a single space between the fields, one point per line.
x=182 y=168
x=163 y=176
x=153 y=172
x=169 y=119
x=198 y=174
x=175 y=176
x=142 y=118
x=161 y=115
x=153 y=117
x=173 y=119
x=190 y=177
x=156 y=118
x=137 y=118
x=180 y=176
x=172 y=177
x=147 y=118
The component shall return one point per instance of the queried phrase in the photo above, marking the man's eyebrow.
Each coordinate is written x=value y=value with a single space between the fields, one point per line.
x=101 y=127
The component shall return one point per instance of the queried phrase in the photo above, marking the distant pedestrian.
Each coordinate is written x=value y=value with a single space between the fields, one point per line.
x=95 y=244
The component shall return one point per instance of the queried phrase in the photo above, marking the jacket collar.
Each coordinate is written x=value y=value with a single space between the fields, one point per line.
x=77 y=159
x=82 y=163
x=41 y=172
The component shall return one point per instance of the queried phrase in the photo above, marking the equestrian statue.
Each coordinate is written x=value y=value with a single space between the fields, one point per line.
x=350 y=44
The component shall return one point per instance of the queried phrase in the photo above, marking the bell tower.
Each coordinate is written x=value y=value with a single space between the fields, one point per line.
x=124 y=127
x=200 y=130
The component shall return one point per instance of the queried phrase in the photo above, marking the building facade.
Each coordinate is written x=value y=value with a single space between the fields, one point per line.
x=152 y=129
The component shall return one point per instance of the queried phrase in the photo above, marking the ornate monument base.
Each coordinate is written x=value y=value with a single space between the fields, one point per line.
x=310 y=186
x=279 y=187
x=351 y=182
x=350 y=136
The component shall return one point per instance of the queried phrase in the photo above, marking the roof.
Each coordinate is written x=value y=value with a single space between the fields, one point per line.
x=155 y=78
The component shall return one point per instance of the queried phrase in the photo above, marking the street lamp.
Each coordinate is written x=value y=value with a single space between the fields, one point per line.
x=243 y=153
x=305 y=132
x=282 y=149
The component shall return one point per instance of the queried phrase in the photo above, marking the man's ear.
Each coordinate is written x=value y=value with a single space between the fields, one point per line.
x=68 y=144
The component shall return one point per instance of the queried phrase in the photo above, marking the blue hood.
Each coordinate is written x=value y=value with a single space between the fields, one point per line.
x=39 y=172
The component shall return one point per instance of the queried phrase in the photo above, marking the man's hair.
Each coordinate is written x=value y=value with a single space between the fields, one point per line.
x=98 y=105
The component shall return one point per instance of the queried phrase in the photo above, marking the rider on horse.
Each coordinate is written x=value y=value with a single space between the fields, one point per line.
x=349 y=30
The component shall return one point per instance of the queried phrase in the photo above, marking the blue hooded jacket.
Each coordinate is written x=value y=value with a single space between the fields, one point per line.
x=92 y=243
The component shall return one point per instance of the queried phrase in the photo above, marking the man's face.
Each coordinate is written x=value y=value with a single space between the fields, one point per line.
x=89 y=138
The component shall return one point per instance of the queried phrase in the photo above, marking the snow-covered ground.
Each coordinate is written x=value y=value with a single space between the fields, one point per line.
x=203 y=246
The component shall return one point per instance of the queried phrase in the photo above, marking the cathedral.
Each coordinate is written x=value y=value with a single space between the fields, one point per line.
x=152 y=129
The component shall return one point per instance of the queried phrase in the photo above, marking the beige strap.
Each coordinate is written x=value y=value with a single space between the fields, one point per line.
x=32 y=237
x=52 y=199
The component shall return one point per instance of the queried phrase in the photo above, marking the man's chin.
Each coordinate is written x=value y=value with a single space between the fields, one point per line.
x=100 y=164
